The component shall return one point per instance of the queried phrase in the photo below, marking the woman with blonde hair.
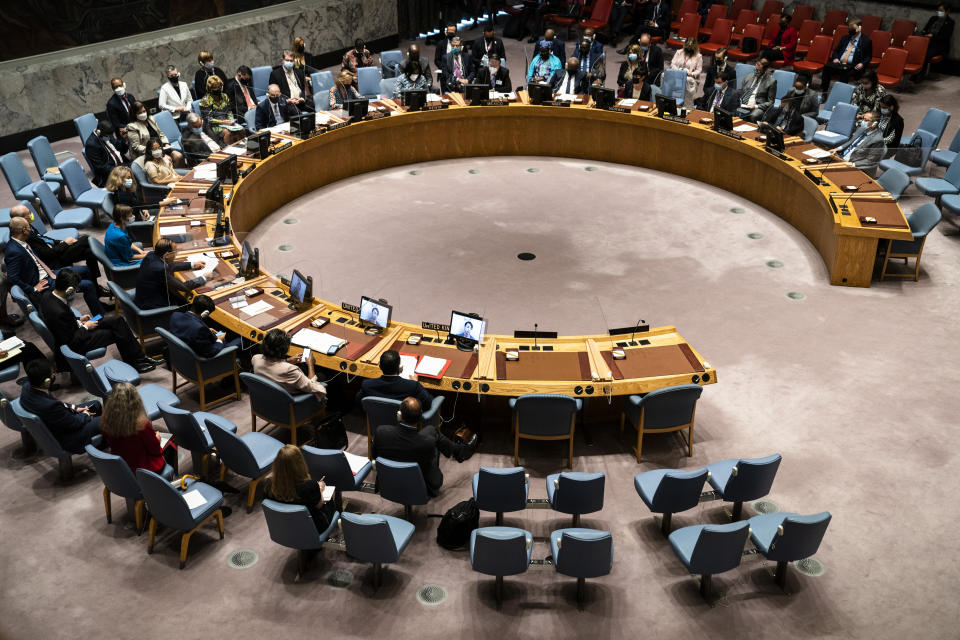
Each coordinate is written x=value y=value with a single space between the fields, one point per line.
x=343 y=89
x=689 y=58
x=291 y=483
x=129 y=433
x=216 y=111
x=126 y=190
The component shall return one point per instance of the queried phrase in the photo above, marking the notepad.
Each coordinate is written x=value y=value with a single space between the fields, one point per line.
x=234 y=150
x=409 y=365
x=744 y=127
x=356 y=462
x=496 y=95
x=316 y=340
x=210 y=263
x=256 y=308
x=817 y=153
x=430 y=366
x=205 y=171
x=194 y=499
x=328 y=492
x=11 y=343
x=566 y=97
x=432 y=97
x=176 y=230
x=627 y=102
x=164 y=439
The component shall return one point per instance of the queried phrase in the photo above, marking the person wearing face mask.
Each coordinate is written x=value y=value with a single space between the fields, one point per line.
x=85 y=334
x=73 y=426
x=722 y=94
x=273 y=110
x=458 y=69
x=120 y=105
x=851 y=56
x=443 y=47
x=758 y=92
x=544 y=65
x=175 y=95
x=570 y=79
x=618 y=14
x=637 y=88
x=301 y=58
x=891 y=123
x=206 y=70
x=652 y=55
x=239 y=90
x=126 y=190
x=410 y=80
x=784 y=44
x=868 y=93
x=118 y=244
x=216 y=112
x=689 y=58
x=716 y=67
x=197 y=145
x=627 y=67
x=292 y=83
x=798 y=102
x=155 y=278
x=488 y=44
x=191 y=327
x=357 y=57
x=495 y=74
x=592 y=63
x=104 y=150
x=157 y=165
x=343 y=89
x=142 y=129
x=413 y=53
x=865 y=148
x=939 y=29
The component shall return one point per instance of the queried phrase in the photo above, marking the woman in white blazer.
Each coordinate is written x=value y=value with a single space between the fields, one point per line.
x=175 y=95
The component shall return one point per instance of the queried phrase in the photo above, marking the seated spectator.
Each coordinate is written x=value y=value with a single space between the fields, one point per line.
x=343 y=89
x=411 y=79
x=391 y=384
x=291 y=484
x=654 y=21
x=120 y=248
x=273 y=110
x=357 y=57
x=865 y=148
x=758 y=91
x=120 y=105
x=544 y=65
x=690 y=59
x=126 y=190
x=73 y=426
x=157 y=166
x=406 y=442
x=637 y=88
x=130 y=434
x=457 y=67
x=797 y=102
x=155 y=278
x=851 y=56
x=495 y=74
x=625 y=74
x=939 y=29
x=413 y=53
x=190 y=327
x=197 y=145
x=443 y=46
x=485 y=46
x=175 y=95
x=85 y=334
x=215 y=109
x=141 y=129
x=207 y=70
x=292 y=82
x=557 y=46
x=891 y=123
x=717 y=66
x=272 y=364
x=570 y=79
x=104 y=150
x=239 y=90
x=868 y=92
x=592 y=62
x=722 y=94
x=784 y=44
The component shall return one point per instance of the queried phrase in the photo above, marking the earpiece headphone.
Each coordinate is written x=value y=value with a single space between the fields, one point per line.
x=70 y=291
x=204 y=314
x=399 y=417
x=48 y=382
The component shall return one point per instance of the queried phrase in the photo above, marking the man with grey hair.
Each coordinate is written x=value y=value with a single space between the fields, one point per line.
x=197 y=145
x=292 y=81
x=458 y=68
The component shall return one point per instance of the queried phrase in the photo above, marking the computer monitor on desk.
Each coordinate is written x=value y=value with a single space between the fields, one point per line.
x=303 y=125
x=357 y=109
x=539 y=92
x=722 y=120
x=258 y=144
x=666 y=105
x=414 y=99
x=227 y=170
x=774 y=137
x=467 y=329
x=603 y=97
x=214 y=197
x=301 y=290
x=476 y=93
x=249 y=261
x=375 y=314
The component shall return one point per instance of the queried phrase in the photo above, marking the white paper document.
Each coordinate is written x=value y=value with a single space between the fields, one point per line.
x=627 y=102
x=11 y=343
x=194 y=499
x=175 y=230
x=356 y=462
x=316 y=340
x=744 y=127
x=164 y=439
x=566 y=97
x=430 y=366
x=496 y=95
x=817 y=153
x=280 y=128
x=256 y=308
x=205 y=171
x=328 y=492
x=409 y=366
x=432 y=97
x=210 y=262
x=234 y=150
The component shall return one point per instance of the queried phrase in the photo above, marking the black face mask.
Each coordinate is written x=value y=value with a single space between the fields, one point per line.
x=274 y=99
x=853 y=31
x=215 y=92
x=173 y=79
x=571 y=69
x=545 y=56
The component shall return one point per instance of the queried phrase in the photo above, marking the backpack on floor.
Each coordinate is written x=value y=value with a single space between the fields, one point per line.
x=911 y=153
x=457 y=523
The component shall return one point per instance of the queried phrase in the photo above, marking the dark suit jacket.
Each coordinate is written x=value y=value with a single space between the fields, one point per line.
x=424 y=66
x=116 y=113
x=939 y=38
x=406 y=444
x=730 y=101
x=479 y=49
x=466 y=71
x=627 y=91
x=195 y=333
x=559 y=48
x=861 y=55
x=100 y=159
x=200 y=80
x=660 y=14
x=395 y=388
x=794 y=119
x=59 y=318
x=580 y=84
x=767 y=93
x=238 y=106
x=154 y=279
x=502 y=79
x=64 y=423
x=194 y=148
x=654 y=60
x=278 y=77
x=265 y=117
x=21 y=269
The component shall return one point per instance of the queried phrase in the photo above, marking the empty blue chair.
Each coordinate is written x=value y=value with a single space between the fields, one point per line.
x=576 y=493
x=742 y=479
x=922 y=221
x=951 y=204
x=99 y=380
x=927 y=144
x=44 y=159
x=117 y=478
x=401 y=482
x=939 y=187
x=389 y=61
x=500 y=490
x=86 y=125
x=144 y=322
x=250 y=119
x=41 y=228
x=17 y=178
x=935 y=122
x=45 y=442
x=271 y=402
x=839 y=92
x=375 y=538
x=785 y=81
x=662 y=411
x=788 y=537
x=654 y=92
x=12 y=422
x=195 y=107
x=670 y=491
x=322 y=82
x=189 y=429
x=169 y=127
x=202 y=371
x=839 y=128
x=707 y=549
x=58 y=216
x=333 y=467
x=894 y=182
x=168 y=506
x=944 y=157
x=83 y=193
x=499 y=552
x=292 y=526
x=581 y=554
x=809 y=128
x=123 y=276
x=387 y=87
x=543 y=416
x=261 y=81
x=368 y=81
x=250 y=455
x=380 y=411
x=21 y=299
x=674 y=84
x=743 y=70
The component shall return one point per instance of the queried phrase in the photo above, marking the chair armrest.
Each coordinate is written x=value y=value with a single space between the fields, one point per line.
x=434 y=410
x=96 y=354
x=221 y=355
x=579 y=403
x=152 y=313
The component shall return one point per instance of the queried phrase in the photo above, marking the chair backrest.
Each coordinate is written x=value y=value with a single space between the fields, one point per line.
x=322 y=82
x=752 y=479
x=952 y=174
x=182 y=357
x=916 y=47
x=819 y=53
x=250 y=119
x=869 y=24
x=387 y=87
x=935 y=121
x=843 y=120
x=75 y=178
x=545 y=414
x=139 y=173
x=195 y=107
x=36 y=428
x=801 y=537
x=670 y=407
x=809 y=128
x=85 y=124
x=752 y=31
x=881 y=42
x=368 y=538
x=114 y=472
x=401 y=482
x=955 y=143
x=784 y=80
x=688 y=6
x=839 y=92
x=330 y=464
x=184 y=427
x=380 y=411
x=722 y=30
x=679 y=490
x=833 y=19
x=719 y=547
x=579 y=492
x=267 y=398
x=585 y=553
x=42 y=154
x=892 y=63
x=674 y=84
x=290 y=525
x=800 y=13
x=7 y=416
x=165 y=503
x=808 y=31
x=42 y=330
x=900 y=30
x=689 y=26
x=499 y=551
x=368 y=81
x=100 y=253
x=21 y=299
x=14 y=172
x=233 y=451
x=743 y=70
x=261 y=80
x=771 y=27
x=389 y=61
x=716 y=12
x=654 y=92
x=502 y=489
x=923 y=220
x=739 y=6
x=168 y=125
x=601 y=10
x=745 y=18
x=48 y=202
x=894 y=181
x=90 y=378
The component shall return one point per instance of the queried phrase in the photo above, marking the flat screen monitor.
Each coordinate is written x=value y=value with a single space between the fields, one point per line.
x=301 y=288
x=303 y=125
x=259 y=144
x=722 y=120
x=539 y=92
x=227 y=170
x=414 y=99
x=357 y=109
x=249 y=260
x=467 y=327
x=603 y=97
x=214 y=196
x=374 y=312
x=774 y=137
x=477 y=93
x=666 y=106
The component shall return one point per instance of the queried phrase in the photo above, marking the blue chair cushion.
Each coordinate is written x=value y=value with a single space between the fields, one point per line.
x=942 y=157
x=49 y=176
x=152 y=395
x=26 y=192
x=77 y=217
x=763 y=529
x=951 y=203
x=118 y=371
x=720 y=473
x=203 y=416
x=890 y=163
x=684 y=541
x=824 y=116
x=93 y=197
x=264 y=449
x=936 y=186
x=9 y=373
x=829 y=138
x=212 y=495
x=647 y=484
x=62 y=234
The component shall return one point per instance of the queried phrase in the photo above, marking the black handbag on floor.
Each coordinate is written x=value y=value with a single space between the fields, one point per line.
x=911 y=153
x=457 y=524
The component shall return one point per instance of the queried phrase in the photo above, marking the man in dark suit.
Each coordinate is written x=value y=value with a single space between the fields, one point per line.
x=413 y=53
x=391 y=385
x=26 y=270
x=570 y=79
x=798 y=102
x=197 y=145
x=851 y=56
x=189 y=326
x=155 y=277
x=274 y=109
x=722 y=95
x=657 y=20
x=495 y=74
x=85 y=334
x=404 y=443
x=444 y=46
x=240 y=91
x=120 y=104
x=73 y=426
x=558 y=46
x=939 y=29
x=483 y=48
x=292 y=82
x=458 y=67
x=104 y=151
x=652 y=54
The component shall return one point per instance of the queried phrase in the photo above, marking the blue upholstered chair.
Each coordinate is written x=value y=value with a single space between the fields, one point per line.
x=743 y=70
x=894 y=181
x=45 y=442
x=839 y=92
x=19 y=297
x=670 y=491
x=124 y=276
x=926 y=148
x=292 y=526
x=368 y=81
x=922 y=222
x=389 y=61
x=250 y=455
x=379 y=411
x=168 y=506
x=674 y=84
x=742 y=479
x=332 y=466
x=839 y=127
x=47 y=336
x=934 y=121
x=322 y=82
x=809 y=128
x=59 y=217
x=543 y=416
x=99 y=380
x=662 y=411
x=388 y=86
x=44 y=159
x=939 y=187
x=202 y=371
x=787 y=537
x=708 y=549
x=375 y=538
x=250 y=119
x=189 y=429
x=944 y=157
x=500 y=551
x=261 y=81
x=501 y=490
x=271 y=402
x=41 y=228
x=117 y=478
x=144 y=322
x=581 y=554
x=169 y=127
x=951 y=204
x=9 y=418
x=83 y=193
x=401 y=482
x=151 y=191
x=195 y=107
x=785 y=81
x=576 y=493
x=85 y=124
x=18 y=179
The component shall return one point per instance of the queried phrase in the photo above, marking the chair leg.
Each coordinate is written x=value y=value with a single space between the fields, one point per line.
x=184 y=544
x=204 y=462
x=665 y=523
x=886 y=260
x=251 y=492
x=106 y=504
x=223 y=472
x=153 y=534
x=138 y=515
x=570 y=458
x=516 y=447
x=639 y=448
x=301 y=565
x=499 y=591
x=690 y=441
x=65 y=467
x=203 y=394
x=781 y=575
x=377 y=574
x=581 y=589
x=499 y=518
x=576 y=520
x=737 y=511
x=408 y=512
x=253 y=420
x=219 y=514
x=706 y=586
x=173 y=371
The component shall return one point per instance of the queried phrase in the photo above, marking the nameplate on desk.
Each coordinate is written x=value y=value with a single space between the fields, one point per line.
x=280 y=147
x=729 y=134
x=493 y=103
x=779 y=154
x=374 y=115
x=557 y=103
x=677 y=119
x=349 y=308
x=333 y=126
x=817 y=180
x=620 y=109
x=434 y=107
x=432 y=326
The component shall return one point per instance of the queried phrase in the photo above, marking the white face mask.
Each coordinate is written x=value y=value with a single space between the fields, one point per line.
x=122 y=89
x=142 y=117
x=414 y=77
x=128 y=183
x=156 y=153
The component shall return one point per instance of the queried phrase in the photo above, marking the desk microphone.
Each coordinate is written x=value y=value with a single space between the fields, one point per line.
x=633 y=342
x=854 y=192
x=535 y=347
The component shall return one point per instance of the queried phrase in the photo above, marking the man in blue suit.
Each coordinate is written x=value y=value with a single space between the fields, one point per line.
x=851 y=56
x=274 y=110
x=570 y=79
x=33 y=275
x=190 y=327
x=391 y=384
x=73 y=426
x=155 y=277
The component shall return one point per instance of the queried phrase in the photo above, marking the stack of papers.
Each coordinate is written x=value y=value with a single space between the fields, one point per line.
x=280 y=128
x=328 y=492
x=205 y=171
x=164 y=439
x=566 y=97
x=495 y=95
x=744 y=127
x=175 y=230
x=210 y=262
x=194 y=499
x=11 y=343
x=628 y=102
x=316 y=340
x=234 y=150
x=256 y=309
x=433 y=97
x=356 y=462
x=408 y=366
x=430 y=366
x=817 y=153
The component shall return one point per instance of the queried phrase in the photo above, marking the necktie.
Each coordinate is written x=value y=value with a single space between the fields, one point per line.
x=569 y=80
x=246 y=96
x=457 y=72
x=853 y=146
x=45 y=271
x=276 y=112
x=716 y=102
x=126 y=105
x=849 y=51
x=112 y=151
x=493 y=78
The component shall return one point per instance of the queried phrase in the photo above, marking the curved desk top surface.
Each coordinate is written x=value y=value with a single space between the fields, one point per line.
x=574 y=365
